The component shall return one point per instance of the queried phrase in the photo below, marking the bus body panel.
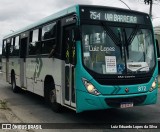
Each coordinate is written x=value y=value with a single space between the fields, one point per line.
x=38 y=68
x=14 y=65
x=91 y=102
x=4 y=68
x=23 y=73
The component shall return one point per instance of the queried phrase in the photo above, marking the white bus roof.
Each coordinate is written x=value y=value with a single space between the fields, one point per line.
x=44 y=20
x=57 y=15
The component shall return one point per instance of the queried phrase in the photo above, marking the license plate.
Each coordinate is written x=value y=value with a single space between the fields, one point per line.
x=126 y=104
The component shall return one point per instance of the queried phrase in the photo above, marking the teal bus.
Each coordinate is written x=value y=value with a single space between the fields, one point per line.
x=85 y=58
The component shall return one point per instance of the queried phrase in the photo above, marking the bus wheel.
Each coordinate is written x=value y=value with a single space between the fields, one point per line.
x=52 y=99
x=13 y=83
x=54 y=105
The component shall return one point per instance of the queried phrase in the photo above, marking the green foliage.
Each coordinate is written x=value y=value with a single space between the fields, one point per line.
x=3 y=104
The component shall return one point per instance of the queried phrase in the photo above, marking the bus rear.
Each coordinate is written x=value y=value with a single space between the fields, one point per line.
x=116 y=59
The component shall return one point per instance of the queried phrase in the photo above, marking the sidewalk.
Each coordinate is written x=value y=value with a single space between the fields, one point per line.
x=7 y=116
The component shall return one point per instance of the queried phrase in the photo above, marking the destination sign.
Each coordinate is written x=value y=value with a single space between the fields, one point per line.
x=113 y=17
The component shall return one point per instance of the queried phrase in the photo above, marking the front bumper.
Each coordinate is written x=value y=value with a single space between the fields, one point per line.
x=86 y=101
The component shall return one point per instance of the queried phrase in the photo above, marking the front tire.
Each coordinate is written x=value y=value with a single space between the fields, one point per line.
x=50 y=97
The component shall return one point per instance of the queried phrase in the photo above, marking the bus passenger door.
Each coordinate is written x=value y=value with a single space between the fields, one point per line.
x=69 y=45
x=23 y=52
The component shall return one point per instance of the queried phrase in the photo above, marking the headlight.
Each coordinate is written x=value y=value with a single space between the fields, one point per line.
x=90 y=88
x=154 y=84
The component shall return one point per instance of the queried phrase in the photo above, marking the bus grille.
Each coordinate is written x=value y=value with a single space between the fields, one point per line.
x=125 y=81
x=115 y=102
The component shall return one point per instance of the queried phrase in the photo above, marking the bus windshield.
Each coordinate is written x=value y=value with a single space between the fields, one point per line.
x=117 y=49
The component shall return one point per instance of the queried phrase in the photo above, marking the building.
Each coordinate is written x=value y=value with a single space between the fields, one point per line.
x=157 y=36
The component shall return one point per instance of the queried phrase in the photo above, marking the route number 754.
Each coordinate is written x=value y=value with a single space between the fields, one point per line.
x=95 y=15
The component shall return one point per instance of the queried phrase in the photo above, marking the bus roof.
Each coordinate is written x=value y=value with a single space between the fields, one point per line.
x=59 y=14
x=44 y=20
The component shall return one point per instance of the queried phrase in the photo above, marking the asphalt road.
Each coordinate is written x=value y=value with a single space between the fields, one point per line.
x=30 y=108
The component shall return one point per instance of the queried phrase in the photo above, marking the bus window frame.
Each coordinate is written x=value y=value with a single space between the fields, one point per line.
x=50 y=39
x=15 y=44
x=8 y=45
x=4 y=49
x=31 y=41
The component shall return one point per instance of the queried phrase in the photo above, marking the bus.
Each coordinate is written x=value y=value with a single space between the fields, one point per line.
x=85 y=57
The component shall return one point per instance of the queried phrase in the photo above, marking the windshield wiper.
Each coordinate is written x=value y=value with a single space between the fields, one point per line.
x=112 y=35
x=133 y=34
x=130 y=39
x=126 y=44
x=138 y=70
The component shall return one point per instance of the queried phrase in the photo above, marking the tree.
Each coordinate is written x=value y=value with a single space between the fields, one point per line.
x=147 y=1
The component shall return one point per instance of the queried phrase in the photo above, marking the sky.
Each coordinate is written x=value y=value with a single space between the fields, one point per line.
x=15 y=14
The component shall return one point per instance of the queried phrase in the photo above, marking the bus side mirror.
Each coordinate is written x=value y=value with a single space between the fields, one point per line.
x=77 y=34
x=157 y=45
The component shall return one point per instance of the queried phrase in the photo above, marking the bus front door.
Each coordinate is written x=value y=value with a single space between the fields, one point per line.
x=69 y=67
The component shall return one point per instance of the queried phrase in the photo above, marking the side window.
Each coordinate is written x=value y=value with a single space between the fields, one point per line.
x=35 y=36
x=4 y=48
x=48 y=31
x=48 y=38
x=16 y=47
x=34 y=41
